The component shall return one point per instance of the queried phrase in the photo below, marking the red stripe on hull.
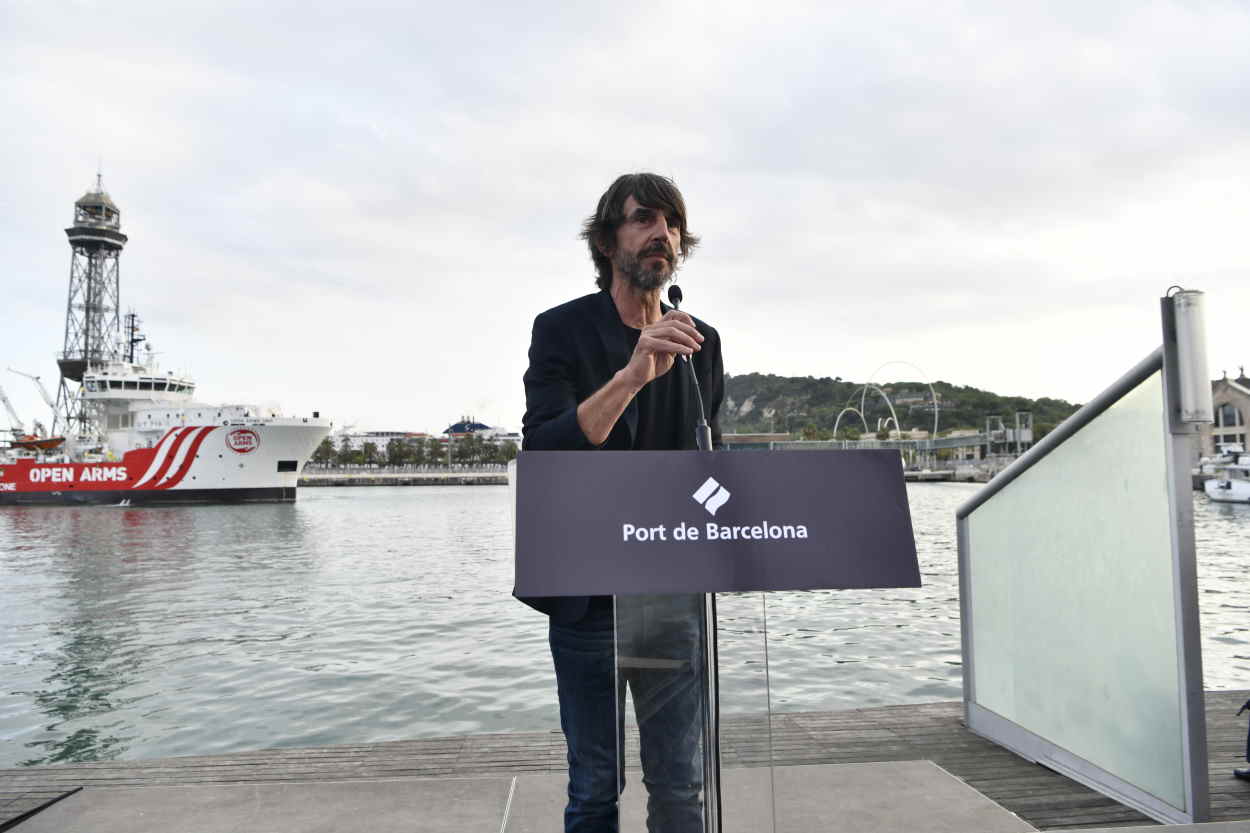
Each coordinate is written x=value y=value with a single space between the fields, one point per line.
x=186 y=463
x=169 y=457
x=27 y=476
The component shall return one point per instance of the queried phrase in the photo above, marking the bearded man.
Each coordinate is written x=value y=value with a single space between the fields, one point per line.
x=603 y=374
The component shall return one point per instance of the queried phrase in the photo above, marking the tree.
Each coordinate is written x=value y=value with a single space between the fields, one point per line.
x=398 y=452
x=345 y=455
x=325 y=452
x=370 y=454
x=506 y=452
x=468 y=449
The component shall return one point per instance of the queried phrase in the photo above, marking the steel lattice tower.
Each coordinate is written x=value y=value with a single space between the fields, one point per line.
x=92 y=317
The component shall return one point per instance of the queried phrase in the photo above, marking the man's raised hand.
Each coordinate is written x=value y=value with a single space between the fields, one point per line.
x=659 y=345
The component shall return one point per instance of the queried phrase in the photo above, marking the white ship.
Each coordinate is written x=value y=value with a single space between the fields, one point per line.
x=130 y=433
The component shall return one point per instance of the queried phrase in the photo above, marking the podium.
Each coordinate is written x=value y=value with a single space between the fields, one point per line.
x=664 y=532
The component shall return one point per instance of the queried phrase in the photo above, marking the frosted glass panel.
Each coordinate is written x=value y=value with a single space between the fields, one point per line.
x=662 y=677
x=661 y=668
x=1072 y=601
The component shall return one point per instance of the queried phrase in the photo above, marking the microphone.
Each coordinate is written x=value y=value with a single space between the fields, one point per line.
x=702 y=431
x=674 y=298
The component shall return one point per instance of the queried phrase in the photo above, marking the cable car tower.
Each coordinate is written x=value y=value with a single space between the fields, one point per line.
x=92 y=319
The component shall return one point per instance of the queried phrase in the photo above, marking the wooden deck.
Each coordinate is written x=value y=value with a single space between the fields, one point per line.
x=932 y=731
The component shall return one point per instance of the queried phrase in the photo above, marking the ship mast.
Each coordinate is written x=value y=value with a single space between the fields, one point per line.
x=133 y=336
x=92 y=324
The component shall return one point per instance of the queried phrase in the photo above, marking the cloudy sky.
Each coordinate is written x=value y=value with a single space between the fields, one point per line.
x=360 y=209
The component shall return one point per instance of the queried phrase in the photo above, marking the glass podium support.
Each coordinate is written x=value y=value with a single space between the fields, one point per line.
x=669 y=673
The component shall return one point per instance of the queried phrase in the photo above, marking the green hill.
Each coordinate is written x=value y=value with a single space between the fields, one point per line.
x=805 y=405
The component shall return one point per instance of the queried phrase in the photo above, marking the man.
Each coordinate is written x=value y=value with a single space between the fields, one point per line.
x=607 y=371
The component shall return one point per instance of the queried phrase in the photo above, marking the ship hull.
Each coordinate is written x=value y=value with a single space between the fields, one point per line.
x=195 y=464
x=126 y=497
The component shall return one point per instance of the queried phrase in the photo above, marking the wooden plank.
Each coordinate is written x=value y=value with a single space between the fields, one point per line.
x=930 y=731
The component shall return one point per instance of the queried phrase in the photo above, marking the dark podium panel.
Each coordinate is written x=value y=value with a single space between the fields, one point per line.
x=622 y=522
x=664 y=531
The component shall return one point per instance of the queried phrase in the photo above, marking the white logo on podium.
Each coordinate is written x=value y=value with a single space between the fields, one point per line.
x=711 y=495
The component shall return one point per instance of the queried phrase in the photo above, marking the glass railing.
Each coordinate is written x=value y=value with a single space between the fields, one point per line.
x=1079 y=603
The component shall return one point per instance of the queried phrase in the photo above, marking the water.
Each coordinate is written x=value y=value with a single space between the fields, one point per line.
x=369 y=614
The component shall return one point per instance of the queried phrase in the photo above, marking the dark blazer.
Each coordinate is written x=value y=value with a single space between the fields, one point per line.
x=575 y=349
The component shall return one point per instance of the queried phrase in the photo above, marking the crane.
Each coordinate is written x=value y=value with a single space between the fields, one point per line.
x=17 y=428
x=39 y=440
x=42 y=390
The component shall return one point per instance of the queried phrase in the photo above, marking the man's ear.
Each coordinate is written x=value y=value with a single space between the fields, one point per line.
x=604 y=250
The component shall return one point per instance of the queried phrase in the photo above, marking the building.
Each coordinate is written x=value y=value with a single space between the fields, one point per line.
x=1231 y=401
x=466 y=426
x=964 y=453
x=917 y=400
x=356 y=441
x=469 y=425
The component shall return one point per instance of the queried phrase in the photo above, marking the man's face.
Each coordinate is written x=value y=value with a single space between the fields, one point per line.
x=646 y=246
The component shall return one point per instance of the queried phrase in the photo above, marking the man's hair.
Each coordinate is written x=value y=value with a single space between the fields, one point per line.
x=651 y=191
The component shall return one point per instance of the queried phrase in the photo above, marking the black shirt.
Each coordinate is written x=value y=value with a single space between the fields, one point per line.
x=658 y=407
x=658 y=430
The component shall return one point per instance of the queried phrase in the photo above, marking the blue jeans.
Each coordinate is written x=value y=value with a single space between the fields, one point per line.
x=661 y=660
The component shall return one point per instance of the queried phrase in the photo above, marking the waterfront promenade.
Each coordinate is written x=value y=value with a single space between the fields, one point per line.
x=492 y=477
x=405 y=476
x=490 y=763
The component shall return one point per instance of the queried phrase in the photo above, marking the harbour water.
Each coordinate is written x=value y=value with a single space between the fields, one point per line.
x=361 y=615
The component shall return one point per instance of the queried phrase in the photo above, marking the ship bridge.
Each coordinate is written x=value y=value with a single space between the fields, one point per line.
x=121 y=381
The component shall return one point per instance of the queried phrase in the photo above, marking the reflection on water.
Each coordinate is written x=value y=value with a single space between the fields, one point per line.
x=362 y=615
x=84 y=653
x=84 y=680
x=1222 y=535
x=91 y=598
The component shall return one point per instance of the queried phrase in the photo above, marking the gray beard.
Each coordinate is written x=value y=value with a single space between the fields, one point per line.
x=644 y=278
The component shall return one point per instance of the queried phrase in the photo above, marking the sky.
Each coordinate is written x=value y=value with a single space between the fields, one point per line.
x=359 y=208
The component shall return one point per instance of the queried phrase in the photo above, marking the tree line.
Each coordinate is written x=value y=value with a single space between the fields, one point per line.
x=415 y=451
x=808 y=407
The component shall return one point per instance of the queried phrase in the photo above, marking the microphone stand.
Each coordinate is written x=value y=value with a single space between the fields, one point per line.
x=702 y=431
x=711 y=677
